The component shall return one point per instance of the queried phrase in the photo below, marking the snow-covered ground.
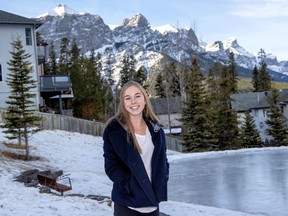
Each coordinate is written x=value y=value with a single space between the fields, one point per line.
x=80 y=156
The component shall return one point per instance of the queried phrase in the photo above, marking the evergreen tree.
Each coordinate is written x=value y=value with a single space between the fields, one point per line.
x=141 y=75
x=249 y=135
x=264 y=78
x=219 y=100
x=112 y=89
x=64 y=58
x=128 y=71
x=227 y=123
x=93 y=95
x=261 y=56
x=213 y=99
x=255 y=79
x=159 y=86
x=20 y=111
x=98 y=63
x=227 y=126
x=51 y=65
x=74 y=52
x=173 y=79
x=198 y=135
x=225 y=84
x=77 y=78
x=232 y=71
x=276 y=121
x=109 y=73
x=213 y=81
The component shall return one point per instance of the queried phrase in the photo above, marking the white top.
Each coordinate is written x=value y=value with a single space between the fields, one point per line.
x=147 y=146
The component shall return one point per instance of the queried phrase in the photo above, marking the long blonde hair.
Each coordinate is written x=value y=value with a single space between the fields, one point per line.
x=123 y=116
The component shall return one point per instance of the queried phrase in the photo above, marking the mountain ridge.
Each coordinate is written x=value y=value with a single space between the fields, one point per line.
x=91 y=32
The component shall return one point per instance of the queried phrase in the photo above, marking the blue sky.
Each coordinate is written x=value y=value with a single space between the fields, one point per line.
x=255 y=23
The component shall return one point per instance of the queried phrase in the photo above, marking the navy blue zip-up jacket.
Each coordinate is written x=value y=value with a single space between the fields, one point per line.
x=124 y=166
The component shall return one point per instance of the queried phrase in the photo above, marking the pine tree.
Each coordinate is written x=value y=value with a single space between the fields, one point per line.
x=198 y=135
x=277 y=124
x=213 y=81
x=51 y=66
x=20 y=116
x=224 y=117
x=109 y=73
x=141 y=75
x=111 y=88
x=159 y=86
x=264 y=78
x=249 y=135
x=128 y=71
x=232 y=71
x=77 y=78
x=64 y=58
x=227 y=126
x=172 y=78
x=213 y=99
x=255 y=80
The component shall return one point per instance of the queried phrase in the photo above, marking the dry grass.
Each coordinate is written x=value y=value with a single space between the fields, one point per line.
x=14 y=146
x=18 y=156
x=245 y=84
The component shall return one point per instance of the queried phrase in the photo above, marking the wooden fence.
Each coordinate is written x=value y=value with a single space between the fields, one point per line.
x=72 y=124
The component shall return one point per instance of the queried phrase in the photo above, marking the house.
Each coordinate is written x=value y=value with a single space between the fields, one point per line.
x=13 y=27
x=163 y=106
x=254 y=102
x=257 y=104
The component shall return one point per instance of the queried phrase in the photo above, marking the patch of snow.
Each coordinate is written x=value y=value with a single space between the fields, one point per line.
x=60 y=10
x=80 y=156
x=164 y=29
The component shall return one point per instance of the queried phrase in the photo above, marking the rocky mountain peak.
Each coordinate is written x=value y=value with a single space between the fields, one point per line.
x=59 y=10
x=136 y=35
x=230 y=42
x=137 y=20
x=215 y=46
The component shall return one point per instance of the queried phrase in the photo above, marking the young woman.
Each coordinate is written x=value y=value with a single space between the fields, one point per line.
x=135 y=155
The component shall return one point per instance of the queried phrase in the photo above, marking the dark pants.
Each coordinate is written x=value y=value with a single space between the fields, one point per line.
x=125 y=211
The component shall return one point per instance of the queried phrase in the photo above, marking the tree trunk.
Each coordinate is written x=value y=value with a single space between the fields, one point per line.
x=26 y=143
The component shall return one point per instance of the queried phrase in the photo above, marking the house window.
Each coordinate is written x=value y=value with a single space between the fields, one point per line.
x=1 y=79
x=255 y=112
x=264 y=113
x=28 y=35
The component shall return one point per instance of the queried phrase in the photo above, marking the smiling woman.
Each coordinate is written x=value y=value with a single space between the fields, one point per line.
x=135 y=155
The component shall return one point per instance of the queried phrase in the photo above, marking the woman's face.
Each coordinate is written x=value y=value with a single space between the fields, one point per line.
x=134 y=101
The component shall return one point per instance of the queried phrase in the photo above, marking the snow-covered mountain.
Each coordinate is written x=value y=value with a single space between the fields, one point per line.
x=60 y=10
x=148 y=44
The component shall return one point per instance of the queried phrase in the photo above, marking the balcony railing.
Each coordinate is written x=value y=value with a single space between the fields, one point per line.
x=50 y=83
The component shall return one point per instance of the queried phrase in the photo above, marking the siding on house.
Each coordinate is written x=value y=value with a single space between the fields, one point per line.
x=256 y=103
x=160 y=107
x=13 y=27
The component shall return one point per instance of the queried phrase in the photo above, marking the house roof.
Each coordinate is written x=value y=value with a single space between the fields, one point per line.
x=9 y=18
x=246 y=101
x=255 y=100
x=160 y=105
